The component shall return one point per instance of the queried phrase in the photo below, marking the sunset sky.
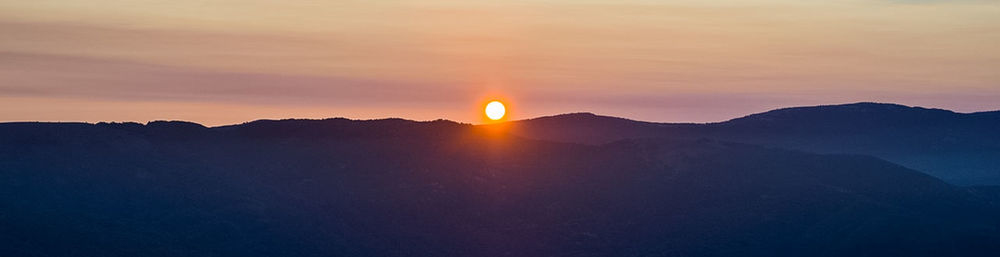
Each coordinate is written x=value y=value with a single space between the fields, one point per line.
x=229 y=61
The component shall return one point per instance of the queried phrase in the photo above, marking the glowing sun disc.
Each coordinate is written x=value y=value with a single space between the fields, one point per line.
x=495 y=110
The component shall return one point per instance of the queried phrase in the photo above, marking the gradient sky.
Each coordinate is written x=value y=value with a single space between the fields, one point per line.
x=228 y=61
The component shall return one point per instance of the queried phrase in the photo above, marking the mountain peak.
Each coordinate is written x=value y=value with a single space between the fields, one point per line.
x=572 y=115
x=577 y=117
x=174 y=124
x=847 y=113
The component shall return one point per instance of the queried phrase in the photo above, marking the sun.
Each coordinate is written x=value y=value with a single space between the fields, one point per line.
x=495 y=110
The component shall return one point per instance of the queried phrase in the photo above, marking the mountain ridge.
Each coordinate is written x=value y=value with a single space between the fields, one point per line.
x=402 y=188
x=572 y=115
x=959 y=147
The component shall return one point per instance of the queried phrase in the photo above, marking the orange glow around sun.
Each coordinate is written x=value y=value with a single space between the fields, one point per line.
x=495 y=110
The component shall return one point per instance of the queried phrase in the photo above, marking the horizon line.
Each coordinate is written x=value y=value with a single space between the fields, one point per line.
x=510 y=121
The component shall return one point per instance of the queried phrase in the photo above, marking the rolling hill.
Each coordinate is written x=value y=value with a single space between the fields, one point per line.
x=961 y=148
x=394 y=187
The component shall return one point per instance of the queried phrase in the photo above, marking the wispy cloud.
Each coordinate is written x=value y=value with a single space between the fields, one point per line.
x=75 y=76
x=413 y=54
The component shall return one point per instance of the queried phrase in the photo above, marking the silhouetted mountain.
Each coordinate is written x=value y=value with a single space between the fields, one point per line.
x=988 y=193
x=587 y=128
x=961 y=148
x=393 y=187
